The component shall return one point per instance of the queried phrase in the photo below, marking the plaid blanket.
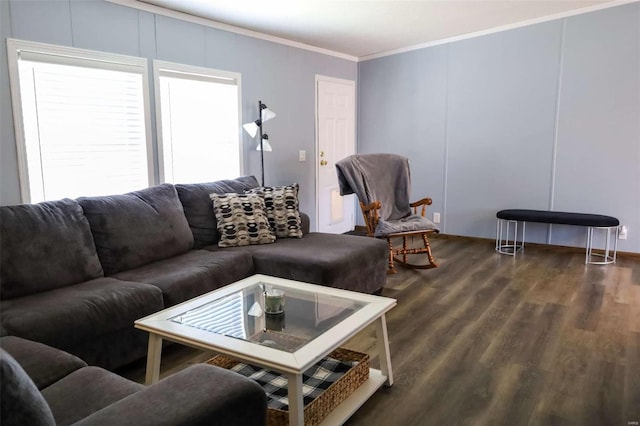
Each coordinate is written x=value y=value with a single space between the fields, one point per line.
x=314 y=381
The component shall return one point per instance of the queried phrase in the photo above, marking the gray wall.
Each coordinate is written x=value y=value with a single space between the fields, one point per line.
x=283 y=77
x=541 y=117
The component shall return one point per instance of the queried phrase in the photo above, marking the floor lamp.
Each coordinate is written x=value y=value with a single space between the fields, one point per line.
x=255 y=127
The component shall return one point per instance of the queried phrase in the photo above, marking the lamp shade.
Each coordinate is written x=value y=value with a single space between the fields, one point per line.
x=267 y=114
x=251 y=128
x=266 y=146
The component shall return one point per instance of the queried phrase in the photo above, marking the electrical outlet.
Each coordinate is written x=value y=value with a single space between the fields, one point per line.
x=436 y=217
x=622 y=235
x=302 y=155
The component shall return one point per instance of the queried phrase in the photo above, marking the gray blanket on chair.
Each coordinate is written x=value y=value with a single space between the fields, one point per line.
x=384 y=178
x=377 y=177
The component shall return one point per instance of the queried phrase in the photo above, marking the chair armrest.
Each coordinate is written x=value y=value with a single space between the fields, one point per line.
x=424 y=203
x=199 y=395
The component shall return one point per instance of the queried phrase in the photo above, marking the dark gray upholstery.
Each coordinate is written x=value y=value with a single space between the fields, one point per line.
x=114 y=349
x=86 y=391
x=45 y=246
x=198 y=207
x=21 y=403
x=191 y=274
x=44 y=364
x=137 y=228
x=201 y=395
x=53 y=287
x=305 y=223
x=66 y=315
x=342 y=261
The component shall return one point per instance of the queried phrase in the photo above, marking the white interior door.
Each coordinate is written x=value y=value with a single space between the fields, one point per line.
x=335 y=140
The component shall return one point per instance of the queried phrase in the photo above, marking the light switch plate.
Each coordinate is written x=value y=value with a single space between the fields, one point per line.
x=302 y=155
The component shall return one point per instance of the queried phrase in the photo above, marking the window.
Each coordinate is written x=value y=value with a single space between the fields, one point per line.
x=198 y=112
x=81 y=121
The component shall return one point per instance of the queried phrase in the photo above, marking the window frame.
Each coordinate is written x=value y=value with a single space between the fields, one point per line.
x=165 y=67
x=77 y=57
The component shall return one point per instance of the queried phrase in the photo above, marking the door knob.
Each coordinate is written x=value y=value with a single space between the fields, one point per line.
x=323 y=162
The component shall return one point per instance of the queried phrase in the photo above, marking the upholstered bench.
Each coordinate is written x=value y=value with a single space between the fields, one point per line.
x=591 y=221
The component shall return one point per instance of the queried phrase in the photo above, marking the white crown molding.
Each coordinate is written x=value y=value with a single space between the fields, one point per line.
x=226 y=27
x=494 y=30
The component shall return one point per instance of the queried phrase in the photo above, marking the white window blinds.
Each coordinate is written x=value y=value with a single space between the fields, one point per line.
x=84 y=125
x=199 y=123
x=224 y=316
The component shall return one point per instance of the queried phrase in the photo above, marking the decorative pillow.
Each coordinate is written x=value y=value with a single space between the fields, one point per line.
x=241 y=219
x=197 y=206
x=282 y=209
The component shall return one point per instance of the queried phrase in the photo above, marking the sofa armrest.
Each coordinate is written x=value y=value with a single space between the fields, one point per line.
x=44 y=364
x=199 y=395
x=305 y=223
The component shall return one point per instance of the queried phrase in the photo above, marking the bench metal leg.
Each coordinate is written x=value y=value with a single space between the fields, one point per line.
x=503 y=244
x=608 y=257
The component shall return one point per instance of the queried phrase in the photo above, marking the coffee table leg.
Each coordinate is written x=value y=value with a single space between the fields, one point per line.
x=153 y=359
x=296 y=404
x=383 y=349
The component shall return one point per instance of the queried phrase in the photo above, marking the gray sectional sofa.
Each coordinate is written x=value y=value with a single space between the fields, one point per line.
x=76 y=274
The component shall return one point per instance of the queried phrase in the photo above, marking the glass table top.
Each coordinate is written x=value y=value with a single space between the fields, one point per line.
x=302 y=315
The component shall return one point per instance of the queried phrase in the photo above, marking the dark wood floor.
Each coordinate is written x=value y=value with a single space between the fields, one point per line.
x=486 y=339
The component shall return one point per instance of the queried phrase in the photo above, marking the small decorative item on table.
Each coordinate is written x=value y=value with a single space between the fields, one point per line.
x=273 y=301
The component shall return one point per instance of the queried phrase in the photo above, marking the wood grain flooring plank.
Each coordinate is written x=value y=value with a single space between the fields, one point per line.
x=631 y=406
x=539 y=351
x=634 y=309
x=587 y=306
x=603 y=393
x=514 y=337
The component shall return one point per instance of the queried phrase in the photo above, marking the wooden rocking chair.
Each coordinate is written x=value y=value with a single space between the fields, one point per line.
x=370 y=212
x=382 y=184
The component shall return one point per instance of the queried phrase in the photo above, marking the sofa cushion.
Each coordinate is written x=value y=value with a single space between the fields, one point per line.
x=342 y=261
x=114 y=349
x=282 y=207
x=45 y=246
x=192 y=274
x=242 y=220
x=86 y=391
x=137 y=228
x=199 y=211
x=44 y=364
x=21 y=402
x=64 y=316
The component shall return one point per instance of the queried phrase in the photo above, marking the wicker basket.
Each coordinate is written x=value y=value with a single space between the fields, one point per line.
x=319 y=408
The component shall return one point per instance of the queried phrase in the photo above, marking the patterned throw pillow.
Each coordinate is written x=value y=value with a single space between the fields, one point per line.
x=242 y=220
x=282 y=209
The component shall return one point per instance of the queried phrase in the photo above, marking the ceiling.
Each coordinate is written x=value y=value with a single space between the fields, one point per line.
x=362 y=28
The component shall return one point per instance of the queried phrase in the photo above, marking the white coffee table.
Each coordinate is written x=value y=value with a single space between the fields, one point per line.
x=230 y=321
